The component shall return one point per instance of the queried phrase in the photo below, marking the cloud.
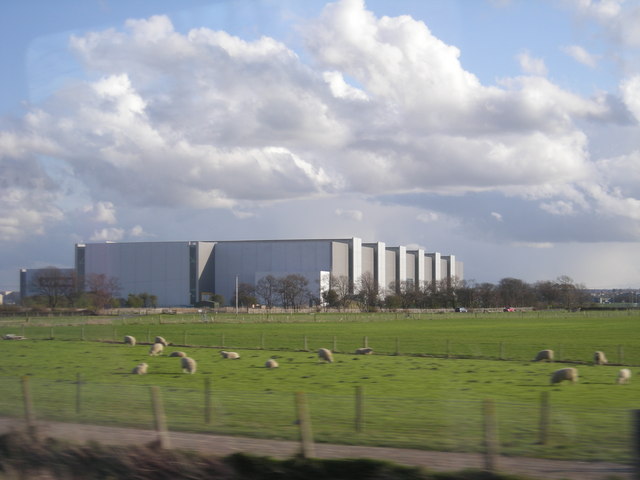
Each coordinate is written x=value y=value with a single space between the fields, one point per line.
x=108 y=234
x=355 y=215
x=580 y=55
x=531 y=65
x=619 y=19
x=374 y=106
x=497 y=216
x=631 y=95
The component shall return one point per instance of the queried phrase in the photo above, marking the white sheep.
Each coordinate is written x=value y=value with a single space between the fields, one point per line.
x=156 y=349
x=188 y=365
x=140 y=369
x=161 y=340
x=325 y=354
x=624 y=375
x=177 y=354
x=271 y=363
x=231 y=355
x=129 y=340
x=569 y=373
x=364 y=351
x=544 y=355
x=599 y=358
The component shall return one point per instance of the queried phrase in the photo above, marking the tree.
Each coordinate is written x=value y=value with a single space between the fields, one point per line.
x=343 y=289
x=101 y=290
x=246 y=295
x=293 y=291
x=55 y=285
x=368 y=294
x=266 y=288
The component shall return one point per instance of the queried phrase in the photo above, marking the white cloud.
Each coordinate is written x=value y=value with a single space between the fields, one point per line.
x=580 y=55
x=428 y=217
x=355 y=215
x=534 y=244
x=531 y=65
x=497 y=216
x=630 y=88
x=107 y=234
x=103 y=212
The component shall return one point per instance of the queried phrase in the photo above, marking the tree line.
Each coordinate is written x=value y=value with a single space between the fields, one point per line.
x=55 y=288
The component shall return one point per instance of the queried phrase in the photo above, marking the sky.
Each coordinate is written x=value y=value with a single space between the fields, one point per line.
x=504 y=132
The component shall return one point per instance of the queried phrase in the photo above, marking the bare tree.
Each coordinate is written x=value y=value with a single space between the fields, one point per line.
x=102 y=290
x=368 y=294
x=55 y=285
x=267 y=290
x=293 y=291
x=342 y=288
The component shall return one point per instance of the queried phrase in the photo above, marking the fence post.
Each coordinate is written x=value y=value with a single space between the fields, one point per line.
x=207 y=400
x=448 y=348
x=397 y=345
x=51 y=333
x=82 y=333
x=184 y=337
x=335 y=344
x=262 y=341
x=365 y=341
x=545 y=418
x=148 y=335
x=636 y=443
x=159 y=418
x=78 y=393
x=114 y=334
x=490 y=436
x=359 y=408
x=304 y=422
x=222 y=344
x=306 y=345
x=501 y=350
x=30 y=415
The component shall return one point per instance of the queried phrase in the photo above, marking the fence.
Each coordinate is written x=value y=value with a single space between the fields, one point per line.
x=542 y=429
x=192 y=336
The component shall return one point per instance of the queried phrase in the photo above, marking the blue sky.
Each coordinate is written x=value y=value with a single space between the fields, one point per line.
x=504 y=132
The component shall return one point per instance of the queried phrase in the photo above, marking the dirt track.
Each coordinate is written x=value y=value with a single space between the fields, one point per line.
x=225 y=445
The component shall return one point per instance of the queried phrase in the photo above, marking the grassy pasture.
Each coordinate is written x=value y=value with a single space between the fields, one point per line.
x=417 y=400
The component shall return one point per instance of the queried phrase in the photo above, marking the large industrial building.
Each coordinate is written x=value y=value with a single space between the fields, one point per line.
x=184 y=273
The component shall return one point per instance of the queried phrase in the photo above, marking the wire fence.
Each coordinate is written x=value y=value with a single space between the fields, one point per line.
x=620 y=354
x=541 y=429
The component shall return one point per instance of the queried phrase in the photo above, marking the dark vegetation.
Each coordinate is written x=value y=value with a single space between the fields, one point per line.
x=23 y=457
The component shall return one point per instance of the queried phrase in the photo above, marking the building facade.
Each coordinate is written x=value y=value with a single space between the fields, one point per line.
x=184 y=273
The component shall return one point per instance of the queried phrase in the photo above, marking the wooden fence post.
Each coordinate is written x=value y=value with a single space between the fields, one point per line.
x=222 y=343
x=148 y=335
x=29 y=413
x=304 y=422
x=448 y=348
x=620 y=354
x=490 y=436
x=501 y=350
x=359 y=408
x=207 y=400
x=397 y=345
x=545 y=418
x=635 y=426
x=306 y=345
x=82 y=334
x=365 y=342
x=335 y=344
x=159 y=418
x=184 y=337
x=262 y=341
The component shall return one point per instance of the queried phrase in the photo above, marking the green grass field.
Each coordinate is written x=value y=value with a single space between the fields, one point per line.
x=430 y=396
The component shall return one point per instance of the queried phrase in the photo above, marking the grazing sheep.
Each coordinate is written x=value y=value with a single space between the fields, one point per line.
x=13 y=336
x=599 y=358
x=140 y=369
x=544 y=355
x=624 y=375
x=188 y=365
x=271 y=363
x=177 y=354
x=231 y=355
x=129 y=340
x=364 y=351
x=161 y=340
x=156 y=349
x=326 y=355
x=569 y=373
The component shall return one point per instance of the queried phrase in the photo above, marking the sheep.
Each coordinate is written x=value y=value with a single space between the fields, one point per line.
x=544 y=355
x=569 y=373
x=364 y=351
x=599 y=358
x=188 y=365
x=325 y=354
x=271 y=363
x=140 y=369
x=129 y=340
x=231 y=355
x=156 y=349
x=161 y=340
x=624 y=375
x=177 y=354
